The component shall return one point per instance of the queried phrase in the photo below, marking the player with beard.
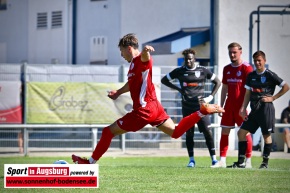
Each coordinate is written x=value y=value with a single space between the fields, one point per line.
x=232 y=96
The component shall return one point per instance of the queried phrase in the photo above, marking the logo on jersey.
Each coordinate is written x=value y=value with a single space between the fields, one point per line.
x=228 y=72
x=239 y=73
x=197 y=74
x=131 y=66
x=263 y=79
x=185 y=75
x=121 y=122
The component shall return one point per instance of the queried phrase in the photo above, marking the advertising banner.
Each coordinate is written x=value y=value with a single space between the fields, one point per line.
x=51 y=176
x=74 y=102
x=10 y=102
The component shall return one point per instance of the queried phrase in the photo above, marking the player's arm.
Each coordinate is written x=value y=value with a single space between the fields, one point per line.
x=145 y=54
x=224 y=93
x=165 y=80
x=217 y=83
x=114 y=94
x=282 y=91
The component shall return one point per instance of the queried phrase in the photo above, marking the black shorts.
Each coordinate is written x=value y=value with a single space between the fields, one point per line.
x=203 y=124
x=264 y=117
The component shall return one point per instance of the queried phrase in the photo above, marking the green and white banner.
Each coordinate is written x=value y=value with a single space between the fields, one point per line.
x=71 y=102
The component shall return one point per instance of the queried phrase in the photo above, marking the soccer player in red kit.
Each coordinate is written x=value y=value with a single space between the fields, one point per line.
x=232 y=96
x=146 y=108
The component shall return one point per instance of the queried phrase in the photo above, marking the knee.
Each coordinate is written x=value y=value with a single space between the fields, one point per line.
x=242 y=134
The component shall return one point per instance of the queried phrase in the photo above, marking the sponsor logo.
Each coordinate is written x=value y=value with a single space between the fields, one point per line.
x=185 y=75
x=234 y=80
x=51 y=176
x=58 y=101
x=197 y=74
x=263 y=79
x=193 y=84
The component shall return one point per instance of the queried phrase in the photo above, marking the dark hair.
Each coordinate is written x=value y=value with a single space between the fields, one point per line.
x=235 y=44
x=259 y=53
x=129 y=40
x=188 y=51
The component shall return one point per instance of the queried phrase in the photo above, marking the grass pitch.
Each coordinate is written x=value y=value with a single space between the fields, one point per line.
x=170 y=174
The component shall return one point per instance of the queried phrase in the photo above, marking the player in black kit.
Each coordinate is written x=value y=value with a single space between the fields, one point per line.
x=192 y=79
x=260 y=88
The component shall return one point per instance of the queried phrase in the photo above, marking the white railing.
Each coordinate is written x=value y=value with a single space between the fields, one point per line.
x=94 y=131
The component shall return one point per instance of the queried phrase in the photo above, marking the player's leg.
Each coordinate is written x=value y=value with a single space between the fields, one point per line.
x=242 y=145
x=189 y=141
x=286 y=137
x=267 y=122
x=224 y=145
x=204 y=127
x=104 y=143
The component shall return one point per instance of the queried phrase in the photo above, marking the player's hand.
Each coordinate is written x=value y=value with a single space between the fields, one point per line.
x=267 y=99
x=148 y=48
x=208 y=99
x=243 y=113
x=113 y=94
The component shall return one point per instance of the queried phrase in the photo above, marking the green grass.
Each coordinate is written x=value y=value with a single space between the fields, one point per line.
x=170 y=174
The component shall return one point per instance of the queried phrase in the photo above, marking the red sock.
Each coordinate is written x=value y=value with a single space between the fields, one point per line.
x=186 y=123
x=103 y=144
x=249 y=146
x=224 y=145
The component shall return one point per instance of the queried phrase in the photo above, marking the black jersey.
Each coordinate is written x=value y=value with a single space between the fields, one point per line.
x=192 y=81
x=262 y=84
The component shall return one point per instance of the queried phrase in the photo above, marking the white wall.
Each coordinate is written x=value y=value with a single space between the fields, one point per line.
x=233 y=25
x=13 y=31
x=45 y=45
x=153 y=19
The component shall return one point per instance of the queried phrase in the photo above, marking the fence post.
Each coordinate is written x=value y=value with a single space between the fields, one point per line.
x=25 y=141
x=94 y=137
x=123 y=139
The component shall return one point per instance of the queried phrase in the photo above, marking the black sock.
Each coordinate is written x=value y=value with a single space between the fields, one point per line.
x=288 y=150
x=242 y=151
x=267 y=150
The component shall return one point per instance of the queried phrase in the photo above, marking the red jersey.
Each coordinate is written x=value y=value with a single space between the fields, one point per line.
x=235 y=78
x=142 y=89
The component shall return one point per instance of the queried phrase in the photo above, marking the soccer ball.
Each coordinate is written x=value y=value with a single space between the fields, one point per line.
x=60 y=162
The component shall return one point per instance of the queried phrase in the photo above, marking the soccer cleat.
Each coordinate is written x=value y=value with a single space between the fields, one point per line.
x=206 y=108
x=237 y=165
x=214 y=162
x=219 y=164
x=263 y=166
x=79 y=160
x=191 y=164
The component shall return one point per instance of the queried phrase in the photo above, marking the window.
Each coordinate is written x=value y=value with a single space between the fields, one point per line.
x=41 y=20
x=56 y=19
x=3 y=4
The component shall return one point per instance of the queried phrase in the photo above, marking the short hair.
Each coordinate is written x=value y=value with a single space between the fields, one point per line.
x=259 y=53
x=235 y=44
x=188 y=51
x=129 y=40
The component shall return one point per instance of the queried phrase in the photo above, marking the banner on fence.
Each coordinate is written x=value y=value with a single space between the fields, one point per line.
x=74 y=102
x=51 y=176
x=10 y=102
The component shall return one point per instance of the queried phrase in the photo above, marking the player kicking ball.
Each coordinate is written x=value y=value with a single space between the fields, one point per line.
x=146 y=108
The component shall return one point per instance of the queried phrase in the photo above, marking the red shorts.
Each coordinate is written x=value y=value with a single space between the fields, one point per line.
x=153 y=114
x=231 y=117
